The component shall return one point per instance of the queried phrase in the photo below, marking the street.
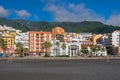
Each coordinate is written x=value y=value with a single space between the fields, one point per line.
x=59 y=69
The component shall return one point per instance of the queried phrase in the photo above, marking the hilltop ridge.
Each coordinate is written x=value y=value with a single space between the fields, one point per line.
x=85 y=26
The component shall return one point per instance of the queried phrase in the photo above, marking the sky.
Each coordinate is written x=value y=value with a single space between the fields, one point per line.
x=106 y=11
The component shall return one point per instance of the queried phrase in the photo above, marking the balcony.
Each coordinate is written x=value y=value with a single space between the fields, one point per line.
x=42 y=51
x=42 y=40
x=37 y=36
x=42 y=36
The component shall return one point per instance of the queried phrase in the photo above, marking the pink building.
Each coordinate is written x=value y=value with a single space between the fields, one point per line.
x=36 y=40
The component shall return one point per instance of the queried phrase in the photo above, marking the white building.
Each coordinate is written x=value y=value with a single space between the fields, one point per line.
x=9 y=28
x=57 y=50
x=72 y=47
x=116 y=38
x=22 y=38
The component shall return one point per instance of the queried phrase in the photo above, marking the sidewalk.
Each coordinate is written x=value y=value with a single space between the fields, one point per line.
x=60 y=58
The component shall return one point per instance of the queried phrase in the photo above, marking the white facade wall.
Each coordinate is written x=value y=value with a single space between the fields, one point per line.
x=22 y=38
x=116 y=38
x=72 y=48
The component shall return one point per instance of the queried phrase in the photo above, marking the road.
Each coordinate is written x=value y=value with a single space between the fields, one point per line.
x=59 y=69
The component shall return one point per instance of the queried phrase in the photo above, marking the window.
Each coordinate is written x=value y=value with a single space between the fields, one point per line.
x=37 y=34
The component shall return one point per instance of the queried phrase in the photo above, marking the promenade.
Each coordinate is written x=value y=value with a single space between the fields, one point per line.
x=67 y=58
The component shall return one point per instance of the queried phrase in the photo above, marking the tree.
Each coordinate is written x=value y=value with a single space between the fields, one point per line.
x=103 y=49
x=46 y=46
x=84 y=51
x=3 y=45
x=93 y=49
x=63 y=46
x=20 y=48
x=57 y=43
x=26 y=50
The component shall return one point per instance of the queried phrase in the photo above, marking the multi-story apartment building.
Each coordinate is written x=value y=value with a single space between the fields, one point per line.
x=72 y=48
x=101 y=39
x=36 y=40
x=97 y=38
x=116 y=42
x=9 y=42
x=116 y=38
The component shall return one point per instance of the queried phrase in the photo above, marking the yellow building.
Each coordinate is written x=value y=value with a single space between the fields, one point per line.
x=96 y=37
x=12 y=33
x=8 y=40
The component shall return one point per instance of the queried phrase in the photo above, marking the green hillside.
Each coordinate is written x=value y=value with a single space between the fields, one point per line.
x=85 y=26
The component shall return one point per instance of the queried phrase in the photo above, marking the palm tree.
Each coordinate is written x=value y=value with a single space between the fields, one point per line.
x=57 y=45
x=93 y=49
x=63 y=46
x=3 y=45
x=19 y=48
x=103 y=49
x=46 y=46
x=26 y=50
x=84 y=51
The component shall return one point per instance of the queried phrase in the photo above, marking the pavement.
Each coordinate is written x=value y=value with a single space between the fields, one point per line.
x=47 y=69
x=61 y=58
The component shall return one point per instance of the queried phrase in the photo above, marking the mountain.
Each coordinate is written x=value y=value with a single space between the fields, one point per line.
x=85 y=26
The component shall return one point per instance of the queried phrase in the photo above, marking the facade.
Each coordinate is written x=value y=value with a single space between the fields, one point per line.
x=22 y=38
x=72 y=48
x=116 y=38
x=36 y=40
x=58 y=33
x=8 y=40
x=101 y=39
x=1 y=51
x=97 y=38
x=9 y=43
x=105 y=40
x=57 y=50
x=85 y=36
x=109 y=39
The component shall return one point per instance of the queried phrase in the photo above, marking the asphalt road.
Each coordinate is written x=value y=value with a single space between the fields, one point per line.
x=59 y=70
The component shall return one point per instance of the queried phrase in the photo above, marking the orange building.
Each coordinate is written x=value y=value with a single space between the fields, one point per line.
x=58 y=33
x=36 y=40
x=96 y=37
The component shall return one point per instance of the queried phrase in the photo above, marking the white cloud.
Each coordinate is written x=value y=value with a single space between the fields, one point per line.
x=3 y=12
x=72 y=12
x=77 y=13
x=23 y=14
x=114 y=20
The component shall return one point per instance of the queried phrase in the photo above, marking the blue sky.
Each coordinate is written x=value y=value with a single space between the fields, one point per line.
x=106 y=11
